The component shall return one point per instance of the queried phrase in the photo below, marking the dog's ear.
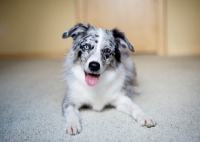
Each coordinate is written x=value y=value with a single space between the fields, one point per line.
x=121 y=40
x=117 y=54
x=76 y=31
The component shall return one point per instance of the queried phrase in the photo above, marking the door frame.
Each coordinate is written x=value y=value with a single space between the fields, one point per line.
x=161 y=23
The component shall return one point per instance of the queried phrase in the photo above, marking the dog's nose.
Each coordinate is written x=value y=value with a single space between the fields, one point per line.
x=94 y=66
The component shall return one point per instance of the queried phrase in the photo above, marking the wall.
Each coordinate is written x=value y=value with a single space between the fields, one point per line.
x=30 y=27
x=136 y=18
x=183 y=27
x=35 y=26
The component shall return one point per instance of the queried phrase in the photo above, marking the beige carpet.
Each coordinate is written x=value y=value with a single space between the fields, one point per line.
x=31 y=92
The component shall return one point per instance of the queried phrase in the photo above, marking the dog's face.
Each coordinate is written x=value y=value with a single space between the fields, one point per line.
x=96 y=49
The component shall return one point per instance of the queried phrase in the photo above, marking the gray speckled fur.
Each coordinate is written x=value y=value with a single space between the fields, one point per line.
x=86 y=33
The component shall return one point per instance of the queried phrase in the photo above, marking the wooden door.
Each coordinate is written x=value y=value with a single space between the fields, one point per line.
x=136 y=18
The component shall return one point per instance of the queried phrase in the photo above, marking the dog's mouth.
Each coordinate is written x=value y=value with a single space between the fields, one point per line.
x=91 y=79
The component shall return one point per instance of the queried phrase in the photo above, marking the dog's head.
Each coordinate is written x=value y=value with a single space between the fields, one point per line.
x=97 y=49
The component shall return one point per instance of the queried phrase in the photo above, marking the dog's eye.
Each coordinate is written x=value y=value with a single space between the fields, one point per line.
x=107 y=50
x=87 y=47
x=107 y=53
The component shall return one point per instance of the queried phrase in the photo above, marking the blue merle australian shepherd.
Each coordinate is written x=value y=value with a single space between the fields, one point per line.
x=99 y=72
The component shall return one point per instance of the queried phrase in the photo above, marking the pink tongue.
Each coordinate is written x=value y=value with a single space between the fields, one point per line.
x=91 y=80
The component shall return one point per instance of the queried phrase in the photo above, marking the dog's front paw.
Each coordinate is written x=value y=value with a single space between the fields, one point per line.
x=73 y=127
x=144 y=120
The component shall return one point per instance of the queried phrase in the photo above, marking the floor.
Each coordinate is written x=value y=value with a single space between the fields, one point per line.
x=31 y=92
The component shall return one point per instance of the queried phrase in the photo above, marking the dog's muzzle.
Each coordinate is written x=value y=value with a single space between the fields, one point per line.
x=92 y=78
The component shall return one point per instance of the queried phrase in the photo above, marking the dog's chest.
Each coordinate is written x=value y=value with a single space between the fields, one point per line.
x=107 y=88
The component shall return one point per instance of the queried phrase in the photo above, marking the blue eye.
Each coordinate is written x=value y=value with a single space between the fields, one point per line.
x=86 y=47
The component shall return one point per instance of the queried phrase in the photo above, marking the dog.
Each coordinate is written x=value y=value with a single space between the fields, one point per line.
x=99 y=72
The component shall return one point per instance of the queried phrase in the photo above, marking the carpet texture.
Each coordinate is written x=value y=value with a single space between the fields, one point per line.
x=31 y=93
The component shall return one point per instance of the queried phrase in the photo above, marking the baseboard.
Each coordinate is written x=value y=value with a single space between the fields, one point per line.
x=192 y=51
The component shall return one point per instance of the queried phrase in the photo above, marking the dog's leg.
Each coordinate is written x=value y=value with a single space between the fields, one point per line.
x=71 y=113
x=125 y=105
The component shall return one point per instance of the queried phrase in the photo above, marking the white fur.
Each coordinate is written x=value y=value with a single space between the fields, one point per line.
x=108 y=90
x=101 y=34
x=97 y=96
x=96 y=56
x=73 y=125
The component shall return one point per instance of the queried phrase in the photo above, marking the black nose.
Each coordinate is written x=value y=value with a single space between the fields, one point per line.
x=94 y=66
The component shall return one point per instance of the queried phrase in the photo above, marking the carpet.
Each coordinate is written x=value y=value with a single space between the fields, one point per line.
x=31 y=93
